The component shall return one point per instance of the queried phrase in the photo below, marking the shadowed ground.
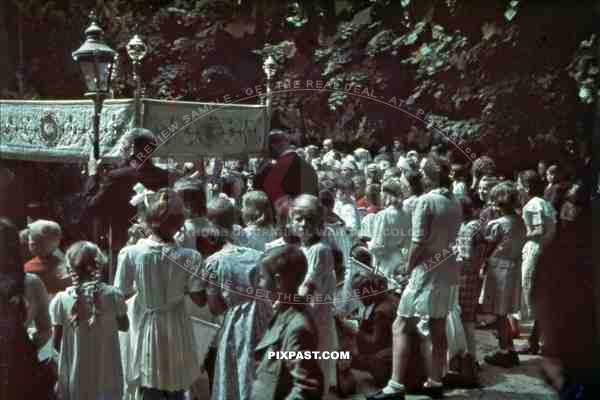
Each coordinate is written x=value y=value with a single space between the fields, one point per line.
x=522 y=383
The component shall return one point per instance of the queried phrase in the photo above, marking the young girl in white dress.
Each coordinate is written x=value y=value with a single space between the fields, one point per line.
x=163 y=361
x=319 y=284
x=86 y=318
x=539 y=217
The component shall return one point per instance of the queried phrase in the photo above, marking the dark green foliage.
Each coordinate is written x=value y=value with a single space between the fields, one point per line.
x=502 y=73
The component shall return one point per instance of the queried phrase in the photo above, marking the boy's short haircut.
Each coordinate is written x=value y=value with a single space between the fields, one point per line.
x=287 y=260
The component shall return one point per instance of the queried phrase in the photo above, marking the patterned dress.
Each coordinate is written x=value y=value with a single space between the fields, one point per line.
x=469 y=245
x=233 y=273
x=501 y=294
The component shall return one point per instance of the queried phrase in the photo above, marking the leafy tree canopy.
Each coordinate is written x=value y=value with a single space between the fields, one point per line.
x=511 y=74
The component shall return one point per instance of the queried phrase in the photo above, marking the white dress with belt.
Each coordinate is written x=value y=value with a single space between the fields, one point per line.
x=162 y=342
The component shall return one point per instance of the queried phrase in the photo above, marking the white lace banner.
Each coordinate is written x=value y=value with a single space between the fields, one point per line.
x=62 y=131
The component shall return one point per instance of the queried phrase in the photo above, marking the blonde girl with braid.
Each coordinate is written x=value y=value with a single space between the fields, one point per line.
x=86 y=319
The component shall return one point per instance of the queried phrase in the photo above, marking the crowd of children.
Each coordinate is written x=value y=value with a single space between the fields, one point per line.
x=352 y=258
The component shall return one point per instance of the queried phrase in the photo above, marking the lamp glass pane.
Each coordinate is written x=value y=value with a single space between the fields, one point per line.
x=104 y=69
x=89 y=74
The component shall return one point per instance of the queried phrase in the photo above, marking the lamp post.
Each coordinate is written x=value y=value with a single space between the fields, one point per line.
x=269 y=68
x=96 y=61
x=136 y=50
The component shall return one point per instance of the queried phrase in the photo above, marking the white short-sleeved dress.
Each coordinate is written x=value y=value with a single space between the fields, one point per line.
x=322 y=273
x=536 y=213
x=161 y=337
x=90 y=360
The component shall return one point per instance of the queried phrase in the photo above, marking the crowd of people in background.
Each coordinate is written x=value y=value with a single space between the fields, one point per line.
x=394 y=257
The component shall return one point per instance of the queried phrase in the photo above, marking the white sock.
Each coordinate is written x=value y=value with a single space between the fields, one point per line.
x=393 y=387
x=431 y=383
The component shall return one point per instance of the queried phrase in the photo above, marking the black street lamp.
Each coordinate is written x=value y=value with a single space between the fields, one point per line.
x=136 y=50
x=96 y=61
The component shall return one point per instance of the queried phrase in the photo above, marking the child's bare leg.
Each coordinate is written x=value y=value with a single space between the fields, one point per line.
x=439 y=348
x=504 y=333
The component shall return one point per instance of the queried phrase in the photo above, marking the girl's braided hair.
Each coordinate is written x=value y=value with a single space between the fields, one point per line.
x=84 y=260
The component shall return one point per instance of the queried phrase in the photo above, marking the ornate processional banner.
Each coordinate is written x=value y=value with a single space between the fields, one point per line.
x=186 y=130
x=59 y=130
x=62 y=131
